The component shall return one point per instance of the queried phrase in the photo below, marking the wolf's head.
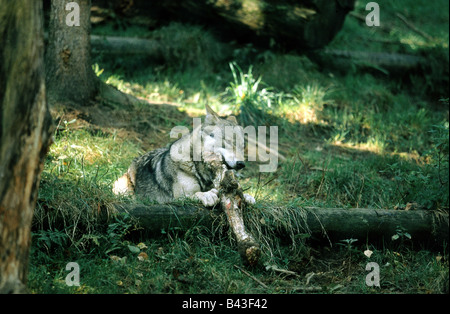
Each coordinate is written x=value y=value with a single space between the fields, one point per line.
x=224 y=139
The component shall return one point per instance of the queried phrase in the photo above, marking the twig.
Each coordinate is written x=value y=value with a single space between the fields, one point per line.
x=385 y=27
x=360 y=17
x=308 y=277
x=307 y=289
x=414 y=28
x=322 y=180
x=258 y=185
x=284 y=271
x=251 y=276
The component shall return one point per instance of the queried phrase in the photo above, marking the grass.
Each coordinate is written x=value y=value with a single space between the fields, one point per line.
x=354 y=139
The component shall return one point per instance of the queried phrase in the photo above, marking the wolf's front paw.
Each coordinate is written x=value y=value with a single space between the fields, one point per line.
x=209 y=198
x=249 y=199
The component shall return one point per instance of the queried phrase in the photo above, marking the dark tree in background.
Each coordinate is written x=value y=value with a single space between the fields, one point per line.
x=68 y=63
x=24 y=134
x=299 y=25
x=292 y=24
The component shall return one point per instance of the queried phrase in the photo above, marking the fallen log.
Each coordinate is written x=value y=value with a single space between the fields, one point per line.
x=383 y=61
x=295 y=25
x=126 y=45
x=375 y=224
x=329 y=224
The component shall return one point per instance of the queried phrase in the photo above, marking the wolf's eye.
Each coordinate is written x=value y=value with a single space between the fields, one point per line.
x=212 y=134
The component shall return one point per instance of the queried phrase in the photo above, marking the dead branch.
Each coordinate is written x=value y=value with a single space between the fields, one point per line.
x=413 y=27
x=251 y=276
x=232 y=201
x=384 y=60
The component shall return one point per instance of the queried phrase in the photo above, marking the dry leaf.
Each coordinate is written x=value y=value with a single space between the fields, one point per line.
x=368 y=253
x=142 y=256
x=141 y=246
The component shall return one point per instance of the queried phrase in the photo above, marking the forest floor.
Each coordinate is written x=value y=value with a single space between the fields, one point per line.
x=360 y=137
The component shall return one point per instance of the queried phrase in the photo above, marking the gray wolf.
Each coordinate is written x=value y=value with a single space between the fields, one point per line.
x=188 y=166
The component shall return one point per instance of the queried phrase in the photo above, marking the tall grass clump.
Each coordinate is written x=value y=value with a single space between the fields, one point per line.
x=246 y=98
x=277 y=227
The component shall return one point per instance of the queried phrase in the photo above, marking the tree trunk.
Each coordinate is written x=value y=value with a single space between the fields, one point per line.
x=24 y=133
x=69 y=73
x=68 y=55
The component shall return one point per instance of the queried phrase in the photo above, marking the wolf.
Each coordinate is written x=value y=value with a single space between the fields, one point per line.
x=188 y=167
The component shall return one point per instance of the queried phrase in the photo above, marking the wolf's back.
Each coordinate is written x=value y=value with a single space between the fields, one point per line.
x=149 y=176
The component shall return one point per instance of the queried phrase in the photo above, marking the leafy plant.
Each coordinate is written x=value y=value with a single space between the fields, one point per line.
x=49 y=239
x=348 y=243
x=117 y=231
x=400 y=233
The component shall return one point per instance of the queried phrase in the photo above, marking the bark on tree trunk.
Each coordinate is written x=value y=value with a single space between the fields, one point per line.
x=24 y=134
x=68 y=55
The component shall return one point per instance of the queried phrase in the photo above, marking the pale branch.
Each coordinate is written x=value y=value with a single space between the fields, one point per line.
x=414 y=28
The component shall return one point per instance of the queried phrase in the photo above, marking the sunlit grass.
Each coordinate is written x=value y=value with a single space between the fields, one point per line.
x=305 y=104
x=79 y=154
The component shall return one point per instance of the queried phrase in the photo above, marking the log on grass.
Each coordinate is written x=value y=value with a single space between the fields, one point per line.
x=126 y=45
x=330 y=224
x=161 y=217
x=383 y=61
x=375 y=224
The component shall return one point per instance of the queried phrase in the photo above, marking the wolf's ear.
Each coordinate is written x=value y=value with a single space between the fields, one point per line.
x=232 y=119
x=209 y=111
x=211 y=116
